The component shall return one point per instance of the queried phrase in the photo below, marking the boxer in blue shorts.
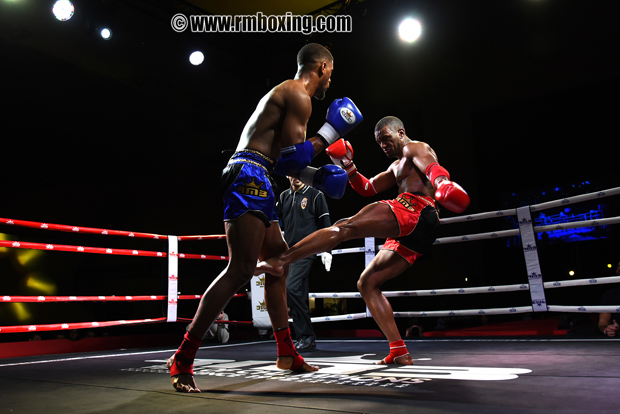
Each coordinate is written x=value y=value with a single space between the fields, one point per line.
x=248 y=187
x=407 y=222
x=275 y=131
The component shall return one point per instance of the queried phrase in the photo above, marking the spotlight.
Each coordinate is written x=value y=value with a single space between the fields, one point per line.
x=63 y=10
x=571 y=273
x=609 y=265
x=106 y=33
x=196 y=58
x=410 y=30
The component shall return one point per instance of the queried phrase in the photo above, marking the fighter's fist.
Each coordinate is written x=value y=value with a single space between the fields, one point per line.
x=329 y=178
x=452 y=196
x=342 y=116
x=341 y=153
x=612 y=330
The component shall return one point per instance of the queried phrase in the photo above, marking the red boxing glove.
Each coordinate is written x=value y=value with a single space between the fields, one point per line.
x=434 y=171
x=452 y=196
x=363 y=185
x=341 y=153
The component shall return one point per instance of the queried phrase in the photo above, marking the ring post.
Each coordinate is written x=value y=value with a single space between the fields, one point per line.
x=369 y=254
x=173 y=278
x=260 y=316
x=530 y=251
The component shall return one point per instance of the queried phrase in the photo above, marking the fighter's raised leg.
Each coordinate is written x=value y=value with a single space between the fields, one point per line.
x=374 y=220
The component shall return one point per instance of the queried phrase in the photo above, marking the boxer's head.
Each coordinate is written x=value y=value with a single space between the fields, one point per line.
x=389 y=134
x=316 y=58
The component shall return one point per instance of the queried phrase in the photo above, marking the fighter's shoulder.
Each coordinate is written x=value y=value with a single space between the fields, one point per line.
x=291 y=89
x=414 y=148
x=393 y=165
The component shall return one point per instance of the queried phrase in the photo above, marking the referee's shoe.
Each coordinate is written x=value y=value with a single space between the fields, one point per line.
x=306 y=344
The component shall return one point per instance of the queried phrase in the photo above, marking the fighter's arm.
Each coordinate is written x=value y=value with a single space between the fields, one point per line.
x=422 y=156
x=341 y=153
x=448 y=193
x=374 y=185
x=295 y=152
x=342 y=116
x=297 y=111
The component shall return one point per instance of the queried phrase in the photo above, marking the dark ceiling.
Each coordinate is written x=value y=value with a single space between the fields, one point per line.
x=513 y=95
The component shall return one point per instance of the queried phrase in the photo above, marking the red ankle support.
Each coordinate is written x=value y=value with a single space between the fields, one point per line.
x=287 y=348
x=184 y=357
x=397 y=349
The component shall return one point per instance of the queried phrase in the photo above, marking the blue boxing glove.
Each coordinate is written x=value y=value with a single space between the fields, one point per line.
x=342 y=117
x=330 y=179
x=294 y=159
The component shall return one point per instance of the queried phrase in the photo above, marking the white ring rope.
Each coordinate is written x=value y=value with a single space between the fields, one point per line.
x=582 y=282
x=480 y=216
x=466 y=291
x=575 y=199
x=479 y=236
x=577 y=224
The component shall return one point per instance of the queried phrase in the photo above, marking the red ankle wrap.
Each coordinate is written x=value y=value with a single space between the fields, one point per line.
x=287 y=348
x=184 y=357
x=397 y=349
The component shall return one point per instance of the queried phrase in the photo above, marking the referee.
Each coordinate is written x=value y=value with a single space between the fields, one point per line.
x=302 y=210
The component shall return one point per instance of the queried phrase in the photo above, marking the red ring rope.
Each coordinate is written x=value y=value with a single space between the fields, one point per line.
x=78 y=325
x=128 y=298
x=92 y=230
x=211 y=237
x=78 y=249
x=76 y=229
x=101 y=250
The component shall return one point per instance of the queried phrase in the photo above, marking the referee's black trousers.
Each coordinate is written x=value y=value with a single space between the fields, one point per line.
x=297 y=296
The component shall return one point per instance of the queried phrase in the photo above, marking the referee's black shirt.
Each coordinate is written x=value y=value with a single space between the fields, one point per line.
x=302 y=212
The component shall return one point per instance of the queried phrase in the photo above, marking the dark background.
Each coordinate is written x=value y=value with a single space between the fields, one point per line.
x=516 y=96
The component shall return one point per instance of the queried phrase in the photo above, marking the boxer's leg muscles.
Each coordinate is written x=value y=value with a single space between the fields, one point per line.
x=385 y=266
x=374 y=220
x=275 y=300
x=244 y=237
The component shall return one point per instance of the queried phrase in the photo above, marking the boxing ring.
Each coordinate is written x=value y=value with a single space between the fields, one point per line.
x=515 y=375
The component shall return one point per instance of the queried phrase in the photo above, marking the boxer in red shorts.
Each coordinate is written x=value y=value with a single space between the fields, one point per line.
x=409 y=222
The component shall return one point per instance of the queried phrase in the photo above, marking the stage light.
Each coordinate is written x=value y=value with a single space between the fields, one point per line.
x=4 y=250
x=41 y=283
x=609 y=265
x=21 y=312
x=63 y=10
x=196 y=58
x=29 y=258
x=106 y=33
x=571 y=273
x=410 y=30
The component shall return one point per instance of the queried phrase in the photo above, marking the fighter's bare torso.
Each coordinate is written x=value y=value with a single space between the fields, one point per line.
x=279 y=120
x=409 y=177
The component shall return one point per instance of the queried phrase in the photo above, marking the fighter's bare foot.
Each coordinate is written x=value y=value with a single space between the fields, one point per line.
x=182 y=382
x=399 y=360
x=286 y=362
x=271 y=266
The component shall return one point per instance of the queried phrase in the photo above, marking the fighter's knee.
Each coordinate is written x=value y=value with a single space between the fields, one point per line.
x=343 y=229
x=367 y=284
x=241 y=272
x=361 y=285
